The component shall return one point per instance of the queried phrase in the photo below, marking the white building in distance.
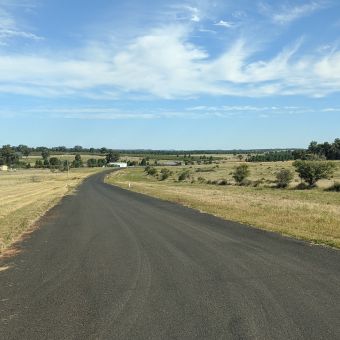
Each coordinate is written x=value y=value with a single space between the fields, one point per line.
x=3 y=168
x=117 y=165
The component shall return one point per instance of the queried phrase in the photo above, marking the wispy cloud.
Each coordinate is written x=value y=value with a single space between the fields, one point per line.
x=195 y=112
x=9 y=27
x=285 y=14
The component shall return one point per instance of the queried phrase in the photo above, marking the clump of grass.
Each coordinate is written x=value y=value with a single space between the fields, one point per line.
x=205 y=169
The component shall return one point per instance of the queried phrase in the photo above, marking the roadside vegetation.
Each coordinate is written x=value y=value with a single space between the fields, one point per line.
x=295 y=198
x=28 y=194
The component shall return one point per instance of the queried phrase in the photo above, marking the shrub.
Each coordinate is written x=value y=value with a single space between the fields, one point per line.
x=241 y=173
x=151 y=171
x=222 y=182
x=92 y=163
x=201 y=179
x=283 y=178
x=312 y=171
x=165 y=173
x=302 y=186
x=184 y=175
x=335 y=187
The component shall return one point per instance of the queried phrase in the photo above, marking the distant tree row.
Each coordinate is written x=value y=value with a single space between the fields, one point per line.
x=275 y=156
x=315 y=151
x=27 y=150
x=10 y=156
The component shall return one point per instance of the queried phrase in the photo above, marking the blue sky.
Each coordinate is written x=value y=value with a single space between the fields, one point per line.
x=169 y=75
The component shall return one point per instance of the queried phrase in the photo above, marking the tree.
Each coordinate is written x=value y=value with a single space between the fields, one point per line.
x=313 y=147
x=241 y=173
x=54 y=162
x=112 y=157
x=39 y=163
x=143 y=162
x=78 y=148
x=299 y=154
x=92 y=163
x=330 y=151
x=101 y=162
x=8 y=155
x=24 y=149
x=77 y=163
x=283 y=178
x=45 y=154
x=46 y=163
x=312 y=171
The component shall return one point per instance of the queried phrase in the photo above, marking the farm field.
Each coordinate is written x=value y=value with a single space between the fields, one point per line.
x=312 y=215
x=28 y=194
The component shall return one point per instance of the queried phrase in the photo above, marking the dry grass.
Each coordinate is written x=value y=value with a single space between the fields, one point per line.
x=312 y=215
x=28 y=194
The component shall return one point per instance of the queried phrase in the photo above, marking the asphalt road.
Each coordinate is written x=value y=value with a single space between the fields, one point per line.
x=111 y=264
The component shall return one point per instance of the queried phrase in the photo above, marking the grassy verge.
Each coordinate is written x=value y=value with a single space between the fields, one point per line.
x=312 y=215
x=28 y=194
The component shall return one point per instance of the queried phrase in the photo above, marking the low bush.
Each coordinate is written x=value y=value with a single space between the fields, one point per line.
x=283 y=178
x=184 y=175
x=165 y=173
x=151 y=171
x=335 y=187
x=303 y=186
x=241 y=173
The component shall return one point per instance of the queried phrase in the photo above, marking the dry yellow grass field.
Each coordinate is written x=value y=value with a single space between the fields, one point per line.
x=28 y=194
x=312 y=215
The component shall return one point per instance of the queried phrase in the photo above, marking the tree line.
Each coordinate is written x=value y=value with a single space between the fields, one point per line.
x=315 y=151
x=9 y=155
x=329 y=151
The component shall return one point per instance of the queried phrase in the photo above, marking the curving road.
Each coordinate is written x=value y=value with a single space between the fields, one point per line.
x=112 y=264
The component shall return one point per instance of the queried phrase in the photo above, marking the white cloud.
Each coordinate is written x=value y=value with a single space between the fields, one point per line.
x=226 y=24
x=164 y=64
